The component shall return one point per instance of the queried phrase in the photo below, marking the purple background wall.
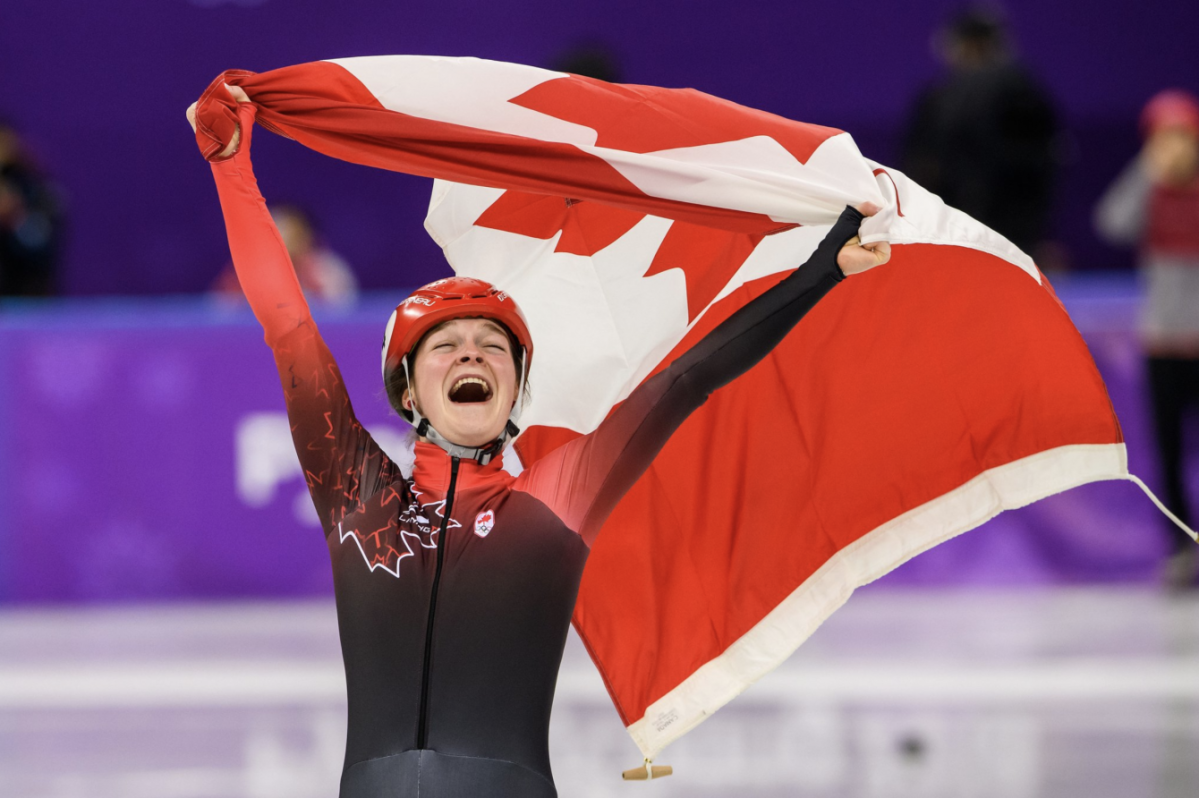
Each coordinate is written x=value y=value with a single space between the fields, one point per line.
x=120 y=482
x=100 y=89
x=123 y=482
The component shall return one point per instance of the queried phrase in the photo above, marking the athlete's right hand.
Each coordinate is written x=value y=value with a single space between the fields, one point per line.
x=238 y=94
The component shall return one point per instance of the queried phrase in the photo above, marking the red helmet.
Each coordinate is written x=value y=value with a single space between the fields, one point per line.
x=451 y=298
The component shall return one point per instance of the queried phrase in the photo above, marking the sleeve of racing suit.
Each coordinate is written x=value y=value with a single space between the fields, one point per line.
x=341 y=463
x=582 y=481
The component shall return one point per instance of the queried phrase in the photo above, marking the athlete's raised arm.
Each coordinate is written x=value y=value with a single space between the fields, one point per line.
x=583 y=480
x=342 y=464
x=260 y=258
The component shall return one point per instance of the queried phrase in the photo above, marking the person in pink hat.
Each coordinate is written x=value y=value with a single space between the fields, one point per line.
x=1154 y=205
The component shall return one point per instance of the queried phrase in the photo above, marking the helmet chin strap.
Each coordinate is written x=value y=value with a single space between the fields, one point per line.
x=480 y=454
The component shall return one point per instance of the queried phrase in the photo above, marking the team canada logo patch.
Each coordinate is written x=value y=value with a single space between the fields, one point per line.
x=484 y=521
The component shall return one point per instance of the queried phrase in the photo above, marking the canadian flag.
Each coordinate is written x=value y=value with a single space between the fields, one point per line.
x=914 y=403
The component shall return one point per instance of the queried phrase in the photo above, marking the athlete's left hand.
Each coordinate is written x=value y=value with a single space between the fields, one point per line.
x=855 y=257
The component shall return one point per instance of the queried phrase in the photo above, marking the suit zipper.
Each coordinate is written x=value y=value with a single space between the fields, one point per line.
x=422 y=725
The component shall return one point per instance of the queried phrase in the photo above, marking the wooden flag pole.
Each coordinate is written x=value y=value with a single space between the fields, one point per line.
x=647 y=771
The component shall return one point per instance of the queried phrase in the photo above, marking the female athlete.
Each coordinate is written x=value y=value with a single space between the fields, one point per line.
x=455 y=586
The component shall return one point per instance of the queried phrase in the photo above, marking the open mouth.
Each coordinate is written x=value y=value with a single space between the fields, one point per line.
x=470 y=390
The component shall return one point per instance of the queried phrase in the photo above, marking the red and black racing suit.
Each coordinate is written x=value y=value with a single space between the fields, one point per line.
x=455 y=587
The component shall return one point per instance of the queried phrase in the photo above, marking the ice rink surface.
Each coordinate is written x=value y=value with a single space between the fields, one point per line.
x=1087 y=693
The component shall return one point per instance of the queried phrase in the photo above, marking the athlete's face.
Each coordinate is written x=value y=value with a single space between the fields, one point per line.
x=464 y=380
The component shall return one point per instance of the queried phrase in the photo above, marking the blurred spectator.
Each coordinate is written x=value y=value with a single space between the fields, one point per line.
x=1154 y=204
x=984 y=135
x=30 y=222
x=324 y=275
x=591 y=60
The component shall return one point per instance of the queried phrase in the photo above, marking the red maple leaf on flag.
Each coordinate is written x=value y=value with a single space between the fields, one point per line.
x=709 y=257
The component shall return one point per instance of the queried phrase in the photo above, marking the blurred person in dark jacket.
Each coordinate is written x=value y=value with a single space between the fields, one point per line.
x=1154 y=205
x=30 y=222
x=592 y=59
x=984 y=135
